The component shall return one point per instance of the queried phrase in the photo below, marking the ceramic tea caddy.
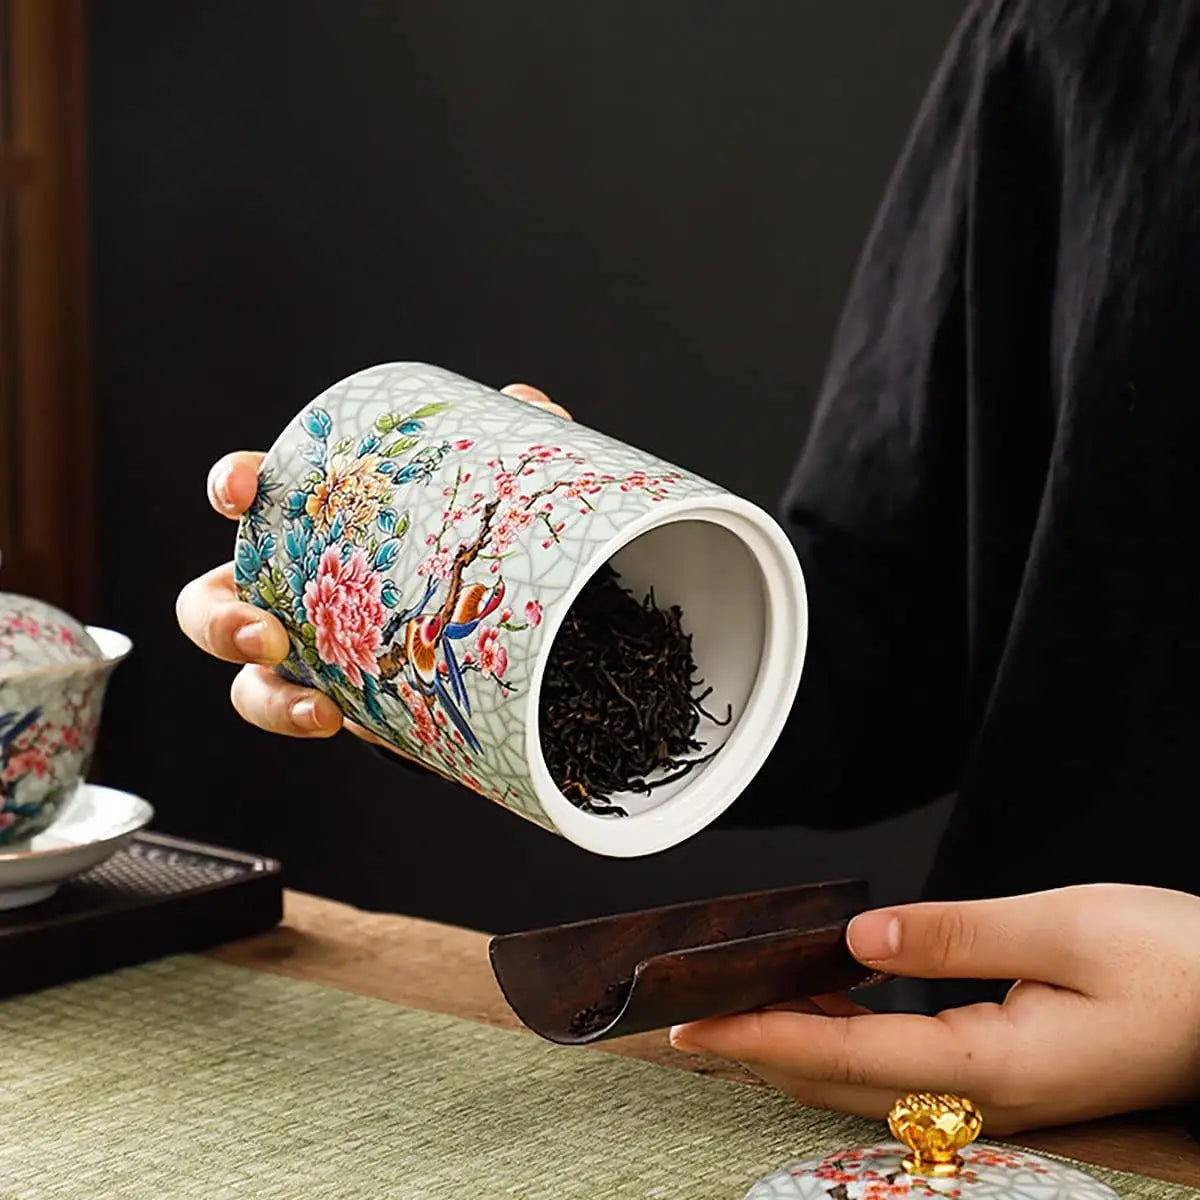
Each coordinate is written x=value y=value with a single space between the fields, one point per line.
x=935 y=1154
x=422 y=538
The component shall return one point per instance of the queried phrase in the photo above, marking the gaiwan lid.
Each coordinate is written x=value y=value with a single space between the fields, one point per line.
x=35 y=635
x=933 y=1156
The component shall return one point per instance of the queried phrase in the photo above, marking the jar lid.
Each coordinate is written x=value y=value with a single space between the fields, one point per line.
x=35 y=635
x=932 y=1157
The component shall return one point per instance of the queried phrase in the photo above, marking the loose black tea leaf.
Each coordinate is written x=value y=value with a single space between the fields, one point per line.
x=598 y=1016
x=619 y=698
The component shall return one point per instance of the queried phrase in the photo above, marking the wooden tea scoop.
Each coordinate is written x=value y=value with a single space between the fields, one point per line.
x=626 y=974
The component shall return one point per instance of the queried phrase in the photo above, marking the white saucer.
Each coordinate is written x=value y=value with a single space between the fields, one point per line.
x=92 y=826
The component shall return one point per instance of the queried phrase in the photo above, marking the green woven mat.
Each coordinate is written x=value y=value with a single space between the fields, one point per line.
x=188 y=1079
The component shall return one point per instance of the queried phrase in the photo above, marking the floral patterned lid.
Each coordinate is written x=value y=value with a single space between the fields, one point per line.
x=932 y=1158
x=35 y=635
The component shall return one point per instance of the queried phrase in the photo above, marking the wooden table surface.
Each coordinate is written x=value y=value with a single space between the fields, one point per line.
x=444 y=969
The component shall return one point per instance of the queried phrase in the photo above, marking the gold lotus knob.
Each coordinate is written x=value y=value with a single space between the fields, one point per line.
x=934 y=1128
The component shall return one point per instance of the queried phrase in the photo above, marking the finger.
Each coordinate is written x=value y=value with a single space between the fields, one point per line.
x=273 y=704
x=1054 y=937
x=210 y=613
x=532 y=395
x=233 y=482
x=885 y=1050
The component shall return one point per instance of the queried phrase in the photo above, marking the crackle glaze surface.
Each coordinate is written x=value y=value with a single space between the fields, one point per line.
x=415 y=532
x=35 y=635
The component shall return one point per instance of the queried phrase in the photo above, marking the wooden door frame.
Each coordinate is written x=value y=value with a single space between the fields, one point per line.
x=43 y=174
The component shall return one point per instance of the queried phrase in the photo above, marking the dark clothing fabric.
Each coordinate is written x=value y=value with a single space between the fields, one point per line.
x=997 y=505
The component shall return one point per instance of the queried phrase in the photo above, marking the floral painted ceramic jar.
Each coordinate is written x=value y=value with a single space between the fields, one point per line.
x=422 y=537
x=933 y=1159
x=53 y=676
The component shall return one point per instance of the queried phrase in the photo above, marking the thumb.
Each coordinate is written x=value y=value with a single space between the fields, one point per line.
x=1050 y=937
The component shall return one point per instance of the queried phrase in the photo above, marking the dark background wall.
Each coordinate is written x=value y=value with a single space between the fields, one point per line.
x=650 y=209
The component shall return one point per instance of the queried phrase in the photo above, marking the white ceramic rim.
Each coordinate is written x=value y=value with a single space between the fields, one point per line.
x=785 y=639
x=141 y=814
x=114 y=647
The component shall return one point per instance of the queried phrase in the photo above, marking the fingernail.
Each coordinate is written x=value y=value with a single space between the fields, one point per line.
x=678 y=1037
x=251 y=640
x=221 y=489
x=874 y=937
x=304 y=714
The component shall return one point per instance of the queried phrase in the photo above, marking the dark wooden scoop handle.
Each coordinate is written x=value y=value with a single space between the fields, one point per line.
x=738 y=976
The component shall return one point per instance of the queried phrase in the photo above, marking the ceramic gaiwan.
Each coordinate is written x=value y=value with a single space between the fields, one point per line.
x=935 y=1155
x=422 y=537
x=53 y=676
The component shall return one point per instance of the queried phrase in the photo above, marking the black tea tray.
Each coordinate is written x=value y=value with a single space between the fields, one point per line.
x=156 y=896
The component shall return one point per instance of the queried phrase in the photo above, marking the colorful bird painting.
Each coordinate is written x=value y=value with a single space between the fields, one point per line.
x=474 y=604
x=402 y=618
x=423 y=639
x=425 y=651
